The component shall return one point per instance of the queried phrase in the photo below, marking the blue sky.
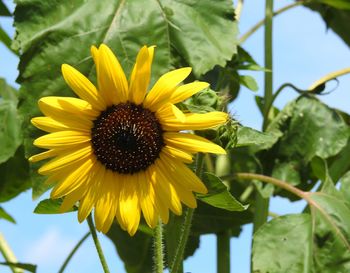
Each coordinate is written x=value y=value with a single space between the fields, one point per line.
x=304 y=51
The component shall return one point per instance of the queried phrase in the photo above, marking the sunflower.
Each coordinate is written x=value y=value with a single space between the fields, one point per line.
x=119 y=150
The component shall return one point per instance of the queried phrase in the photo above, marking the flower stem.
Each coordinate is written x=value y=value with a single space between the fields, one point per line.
x=97 y=244
x=178 y=258
x=64 y=265
x=223 y=251
x=158 y=248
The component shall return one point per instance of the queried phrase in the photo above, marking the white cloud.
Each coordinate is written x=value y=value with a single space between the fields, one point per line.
x=51 y=248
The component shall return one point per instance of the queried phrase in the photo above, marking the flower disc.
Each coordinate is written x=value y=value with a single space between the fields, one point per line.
x=127 y=138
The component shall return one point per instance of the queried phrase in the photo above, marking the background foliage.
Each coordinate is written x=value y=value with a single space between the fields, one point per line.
x=306 y=143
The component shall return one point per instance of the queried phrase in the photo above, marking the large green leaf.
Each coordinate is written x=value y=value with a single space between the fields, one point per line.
x=284 y=245
x=249 y=137
x=10 y=125
x=201 y=33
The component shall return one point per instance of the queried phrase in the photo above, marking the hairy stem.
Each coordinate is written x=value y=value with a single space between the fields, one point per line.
x=158 y=248
x=97 y=245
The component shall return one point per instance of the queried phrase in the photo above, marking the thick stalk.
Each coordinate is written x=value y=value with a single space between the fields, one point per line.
x=8 y=254
x=178 y=258
x=64 y=265
x=158 y=248
x=97 y=245
x=223 y=251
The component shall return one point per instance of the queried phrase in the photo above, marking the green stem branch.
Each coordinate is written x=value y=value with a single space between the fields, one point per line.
x=262 y=22
x=158 y=248
x=64 y=265
x=97 y=244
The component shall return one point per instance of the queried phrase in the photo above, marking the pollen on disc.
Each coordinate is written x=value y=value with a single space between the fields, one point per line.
x=127 y=138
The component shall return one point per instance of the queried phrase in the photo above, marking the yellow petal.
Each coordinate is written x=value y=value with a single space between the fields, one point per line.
x=62 y=139
x=147 y=199
x=140 y=75
x=95 y=187
x=187 y=90
x=191 y=143
x=66 y=159
x=65 y=105
x=51 y=125
x=164 y=189
x=128 y=212
x=82 y=86
x=163 y=88
x=111 y=78
x=183 y=191
x=194 y=121
x=74 y=180
x=177 y=153
x=178 y=113
x=106 y=207
x=43 y=155
x=72 y=198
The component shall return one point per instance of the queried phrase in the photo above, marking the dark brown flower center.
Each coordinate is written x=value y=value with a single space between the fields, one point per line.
x=127 y=138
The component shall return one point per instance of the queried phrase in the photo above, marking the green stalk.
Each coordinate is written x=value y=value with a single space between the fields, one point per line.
x=8 y=254
x=223 y=251
x=261 y=203
x=97 y=245
x=178 y=258
x=64 y=265
x=158 y=248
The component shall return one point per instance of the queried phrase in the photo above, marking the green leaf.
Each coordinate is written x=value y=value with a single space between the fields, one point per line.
x=336 y=15
x=283 y=245
x=218 y=195
x=345 y=187
x=4 y=11
x=27 y=267
x=249 y=82
x=10 y=124
x=313 y=129
x=6 y=216
x=249 y=137
x=339 y=4
x=136 y=251
x=50 y=206
x=332 y=232
x=14 y=177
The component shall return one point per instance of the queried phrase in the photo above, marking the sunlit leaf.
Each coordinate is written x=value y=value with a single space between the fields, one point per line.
x=218 y=194
x=50 y=206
